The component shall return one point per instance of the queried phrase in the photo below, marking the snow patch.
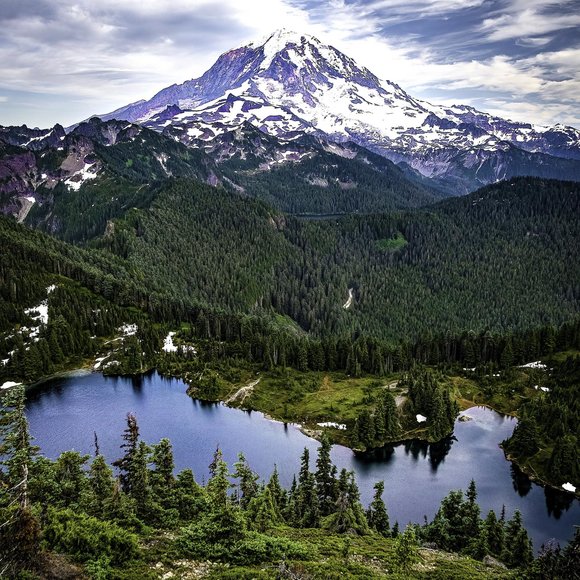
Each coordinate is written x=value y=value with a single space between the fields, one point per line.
x=340 y=426
x=168 y=345
x=9 y=385
x=42 y=312
x=534 y=365
x=77 y=179
x=128 y=329
x=163 y=158
x=99 y=361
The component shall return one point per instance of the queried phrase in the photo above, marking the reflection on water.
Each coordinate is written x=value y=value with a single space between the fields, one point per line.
x=439 y=451
x=521 y=482
x=417 y=450
x=137 y=383
x=558 y=502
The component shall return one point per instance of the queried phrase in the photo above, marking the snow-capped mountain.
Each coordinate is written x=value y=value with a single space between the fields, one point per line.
x=293 y=84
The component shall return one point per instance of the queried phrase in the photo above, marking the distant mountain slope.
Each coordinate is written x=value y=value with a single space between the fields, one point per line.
x=293 y=83
x=71 y=184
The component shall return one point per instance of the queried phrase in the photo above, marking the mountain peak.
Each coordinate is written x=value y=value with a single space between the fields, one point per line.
x=293 y=83
x=283 y=40
x=278 y=39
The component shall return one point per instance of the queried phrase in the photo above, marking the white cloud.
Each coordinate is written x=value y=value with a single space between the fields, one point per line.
x=525 y=18
x=102 y=55
x=540 y=113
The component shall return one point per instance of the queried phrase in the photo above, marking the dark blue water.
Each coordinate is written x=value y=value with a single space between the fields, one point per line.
x=64 y=413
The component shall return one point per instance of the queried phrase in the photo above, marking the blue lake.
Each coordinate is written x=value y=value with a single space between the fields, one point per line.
x=65 y=413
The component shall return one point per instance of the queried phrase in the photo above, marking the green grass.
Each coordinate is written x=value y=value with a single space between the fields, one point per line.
x=369 y=557
x=392 y=244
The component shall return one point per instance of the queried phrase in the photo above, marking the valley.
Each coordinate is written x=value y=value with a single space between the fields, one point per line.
x=283 y=257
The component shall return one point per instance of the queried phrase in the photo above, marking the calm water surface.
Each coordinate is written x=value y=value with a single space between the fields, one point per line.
x=64 y=413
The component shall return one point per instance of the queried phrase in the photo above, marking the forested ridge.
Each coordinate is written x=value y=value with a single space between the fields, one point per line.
x=501 y=259
x=326 y=180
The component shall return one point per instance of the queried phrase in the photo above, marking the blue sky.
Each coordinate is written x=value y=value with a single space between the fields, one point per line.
x=63 y=60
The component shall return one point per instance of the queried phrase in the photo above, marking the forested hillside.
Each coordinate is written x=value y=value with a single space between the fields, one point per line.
x=546 y=438
x=502 y=259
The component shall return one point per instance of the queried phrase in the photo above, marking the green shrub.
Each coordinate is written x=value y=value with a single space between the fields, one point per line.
x=256 y=547
x=87 y=538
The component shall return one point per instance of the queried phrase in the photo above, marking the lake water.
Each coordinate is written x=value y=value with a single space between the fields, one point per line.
x=64 y=413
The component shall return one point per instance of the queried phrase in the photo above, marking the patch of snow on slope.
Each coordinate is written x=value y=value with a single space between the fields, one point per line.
x=41 y=310
x=77 y=179
x=163 y=158
x=168 y=345
x=534 y=365
x=9 y=384
x=128 y=329
x=99 y=361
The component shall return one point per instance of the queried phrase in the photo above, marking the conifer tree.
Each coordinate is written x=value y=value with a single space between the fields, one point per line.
x=518 y=546
x=277 y=493
x=139 y=487
x=70 y=473
x=131 y=441
x=377 y=516
x=162 y=477
x=101 y=483
x=19 y=527
x=406 y=549
x=262 y=513
x=325 y=479
x=248 y=486
x=392 y=428
x=471 y=513
x=495 y=533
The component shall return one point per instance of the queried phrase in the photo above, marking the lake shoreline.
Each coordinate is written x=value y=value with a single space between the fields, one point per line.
x=312 y=430
x=66 y=414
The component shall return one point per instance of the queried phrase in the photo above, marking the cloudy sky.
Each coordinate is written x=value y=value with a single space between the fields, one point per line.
x=64 y=60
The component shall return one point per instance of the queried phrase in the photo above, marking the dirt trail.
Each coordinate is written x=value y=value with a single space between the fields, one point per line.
x=243 y=392
x=391 y=386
